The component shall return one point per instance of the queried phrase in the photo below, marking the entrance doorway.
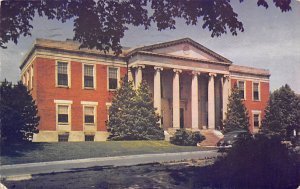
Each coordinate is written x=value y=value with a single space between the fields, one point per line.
x=181 y=118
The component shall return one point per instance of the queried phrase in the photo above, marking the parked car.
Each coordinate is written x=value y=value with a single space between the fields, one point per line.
x=230 y=139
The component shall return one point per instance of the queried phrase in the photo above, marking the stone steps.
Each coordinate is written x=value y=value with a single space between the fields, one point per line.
x=212 y=137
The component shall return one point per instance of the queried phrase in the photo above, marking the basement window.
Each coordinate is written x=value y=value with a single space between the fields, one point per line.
x=63 y=137
x=89 y=137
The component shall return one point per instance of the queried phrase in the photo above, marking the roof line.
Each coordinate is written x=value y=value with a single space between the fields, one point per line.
x=169 y=43
x=179 y=57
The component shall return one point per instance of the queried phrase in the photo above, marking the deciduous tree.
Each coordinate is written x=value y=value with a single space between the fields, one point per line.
x=282 y=113
x=101 y=24
x=19 y=119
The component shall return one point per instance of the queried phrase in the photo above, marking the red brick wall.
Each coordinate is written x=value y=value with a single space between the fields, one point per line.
x=255 y=105
x=46 y=93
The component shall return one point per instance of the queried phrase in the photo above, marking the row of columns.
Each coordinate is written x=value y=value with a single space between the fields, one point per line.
x=194 y=95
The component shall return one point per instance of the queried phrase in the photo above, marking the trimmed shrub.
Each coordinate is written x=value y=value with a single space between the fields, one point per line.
x=184 y=137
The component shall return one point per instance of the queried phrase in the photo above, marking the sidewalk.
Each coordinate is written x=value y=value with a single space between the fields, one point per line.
x=71 y=165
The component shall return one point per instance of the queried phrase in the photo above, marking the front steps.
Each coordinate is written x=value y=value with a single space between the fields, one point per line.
x=212 y=137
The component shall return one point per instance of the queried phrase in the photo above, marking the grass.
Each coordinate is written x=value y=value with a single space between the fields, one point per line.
x=41 y=152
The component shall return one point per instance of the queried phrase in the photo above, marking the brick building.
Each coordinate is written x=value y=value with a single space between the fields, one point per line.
x=190 y=84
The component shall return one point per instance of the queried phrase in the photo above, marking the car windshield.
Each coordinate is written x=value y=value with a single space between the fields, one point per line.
x=233 y=134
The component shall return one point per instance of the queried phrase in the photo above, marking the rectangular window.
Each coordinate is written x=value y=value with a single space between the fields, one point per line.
x=88 y=76
x=89 y=115
x=113 y=78
x=256 y=95
x=63 y=114
x=62 y=73
x=256 y=120
x=241 y=87
x=89 y=137
x=63 y=137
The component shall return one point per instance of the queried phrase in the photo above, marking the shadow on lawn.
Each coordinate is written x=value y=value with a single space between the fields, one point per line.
x=19 y=149
x=76 y=170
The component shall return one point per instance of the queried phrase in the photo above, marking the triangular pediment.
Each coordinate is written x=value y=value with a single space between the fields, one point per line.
x=186 y=48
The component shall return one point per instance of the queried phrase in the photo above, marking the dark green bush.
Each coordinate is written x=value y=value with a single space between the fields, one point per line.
x=184 y=137
x=259 y=162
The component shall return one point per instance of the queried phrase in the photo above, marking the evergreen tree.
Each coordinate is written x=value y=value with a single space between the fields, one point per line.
x=237 y=114
x=121 y=116
x=19 y=119
x=146 y=122
x=282 y=115
x=132 y=115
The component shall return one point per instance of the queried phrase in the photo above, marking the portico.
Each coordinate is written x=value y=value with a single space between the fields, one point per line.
x=185 y=98
x=189 y=83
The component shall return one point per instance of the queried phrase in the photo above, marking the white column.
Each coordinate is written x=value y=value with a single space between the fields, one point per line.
x=138 y=75
x=176 y=100
x=194 y=98
x=157 y=90
x=130 y=76
x=225 y=94
x=211 y=101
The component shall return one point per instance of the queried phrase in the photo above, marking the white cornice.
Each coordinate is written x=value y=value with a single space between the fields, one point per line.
x=174 y=66
x=58 y=56
x=258 y=78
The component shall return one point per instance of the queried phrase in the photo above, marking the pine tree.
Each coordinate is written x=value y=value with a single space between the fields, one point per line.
x=121 y=116
x=237 y=115
x=19 y=119
x=147 y=119
x=282 y=115
x=132 y=115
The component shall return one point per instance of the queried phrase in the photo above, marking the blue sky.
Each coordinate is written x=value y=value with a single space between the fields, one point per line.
x=271 y=40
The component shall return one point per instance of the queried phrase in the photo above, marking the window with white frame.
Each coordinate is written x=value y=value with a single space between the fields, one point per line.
x=89 y=76
x=241 y=87
x=256 y=120
x=62 y=74
x=256 y=91
x=89 y=115
x=113 y=78
x=63 y=114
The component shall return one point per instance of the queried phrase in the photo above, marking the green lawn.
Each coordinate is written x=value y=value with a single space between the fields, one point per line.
x=39 y=152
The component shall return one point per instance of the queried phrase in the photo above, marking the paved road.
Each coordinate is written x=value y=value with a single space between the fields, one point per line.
x=71 y=165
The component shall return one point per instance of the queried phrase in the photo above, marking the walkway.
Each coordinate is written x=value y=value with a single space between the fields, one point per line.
x=71 y=165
